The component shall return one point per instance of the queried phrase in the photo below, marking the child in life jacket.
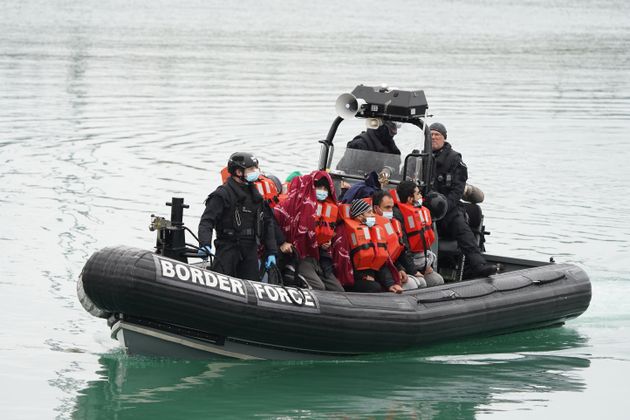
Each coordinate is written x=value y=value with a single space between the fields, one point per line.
x=308 y=217
x=372 y=267
x=418 y=229
x=397 y=245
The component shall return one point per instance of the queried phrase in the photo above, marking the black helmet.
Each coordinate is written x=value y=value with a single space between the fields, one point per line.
x=437 y=205
x=241 y=160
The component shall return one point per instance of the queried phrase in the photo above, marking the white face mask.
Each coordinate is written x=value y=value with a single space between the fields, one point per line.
x=252 y=176
x=388 y=214
x=417 y=203
x=321 y=194
x=370 y=221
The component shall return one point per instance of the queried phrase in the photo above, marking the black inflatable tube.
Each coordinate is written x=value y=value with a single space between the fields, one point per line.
x=128 y=281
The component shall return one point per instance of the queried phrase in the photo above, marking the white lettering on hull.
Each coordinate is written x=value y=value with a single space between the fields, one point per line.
x=222 y=285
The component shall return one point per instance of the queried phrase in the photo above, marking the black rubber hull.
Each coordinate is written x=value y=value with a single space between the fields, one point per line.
x=139 y=284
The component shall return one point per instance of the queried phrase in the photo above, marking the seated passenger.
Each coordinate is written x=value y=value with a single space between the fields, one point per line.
x=361 y=189
x=397 y=244
x=373 y=270
x=418 y=228
x=308 y=218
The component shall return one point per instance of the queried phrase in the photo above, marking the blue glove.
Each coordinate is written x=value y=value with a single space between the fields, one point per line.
x=204 y=252
x=271 y=260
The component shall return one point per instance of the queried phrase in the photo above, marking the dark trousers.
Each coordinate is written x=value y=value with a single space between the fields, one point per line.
x=383 y=281
x=237 y=259
x=454 y=226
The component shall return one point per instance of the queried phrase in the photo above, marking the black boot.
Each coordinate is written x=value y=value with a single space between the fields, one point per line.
x=482 y=270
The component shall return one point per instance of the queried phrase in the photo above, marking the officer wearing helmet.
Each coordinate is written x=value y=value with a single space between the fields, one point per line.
x=450 y=176
x=235 y=211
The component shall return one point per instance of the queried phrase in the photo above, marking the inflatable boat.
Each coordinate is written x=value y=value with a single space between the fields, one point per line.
x=158 y=303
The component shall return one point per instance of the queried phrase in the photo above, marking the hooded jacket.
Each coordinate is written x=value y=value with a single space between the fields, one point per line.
x=296 y=214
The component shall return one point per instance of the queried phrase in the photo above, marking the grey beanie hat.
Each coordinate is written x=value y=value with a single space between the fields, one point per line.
x=358 y=207
x=439 y=127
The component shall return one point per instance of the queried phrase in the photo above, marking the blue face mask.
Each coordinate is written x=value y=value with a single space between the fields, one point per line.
x=388 y=214
x=370 y=221
x=252 y=176
x=321 y=194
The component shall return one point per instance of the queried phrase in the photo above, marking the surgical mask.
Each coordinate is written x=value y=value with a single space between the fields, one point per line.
x=388 y=214
x=370 y=221
x=321 y=194
x=252 y=176
x=417 y=203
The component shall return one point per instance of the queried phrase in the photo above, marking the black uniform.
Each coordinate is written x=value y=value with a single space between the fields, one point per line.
x=236 y=212
x=450 y=178
x=379 y=141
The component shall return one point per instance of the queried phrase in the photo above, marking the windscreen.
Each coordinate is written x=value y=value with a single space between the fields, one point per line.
x=357 y=162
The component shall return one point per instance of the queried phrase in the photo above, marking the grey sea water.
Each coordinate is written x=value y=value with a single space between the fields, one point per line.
x=109 y=108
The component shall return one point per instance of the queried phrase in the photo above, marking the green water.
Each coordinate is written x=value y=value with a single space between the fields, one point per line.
x=110 y=108
x=434 y=383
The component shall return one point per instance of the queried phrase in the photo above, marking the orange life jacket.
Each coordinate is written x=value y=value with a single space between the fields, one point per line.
x=393 y=232
x=267 y=188
x=368 y=246
x=326 y=219
x=419 y=227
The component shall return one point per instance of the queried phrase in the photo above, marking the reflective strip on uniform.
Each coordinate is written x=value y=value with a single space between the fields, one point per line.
x=424 y=222
x=378 y=235
x=411 y=222
x=319 y=210
x=367 y=233
x=389 y=228
x=260 y=188
x=354 y=239
x=328 y=210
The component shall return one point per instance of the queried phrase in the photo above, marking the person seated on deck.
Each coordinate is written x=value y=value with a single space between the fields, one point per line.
x=236 y=211
x=397 y=243
x=357 y=158
x=308 y=217
x=364 y=242
x=417 y=230
x=361 y=189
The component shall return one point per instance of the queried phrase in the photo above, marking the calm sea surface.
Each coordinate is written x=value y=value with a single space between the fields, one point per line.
x=109 y=108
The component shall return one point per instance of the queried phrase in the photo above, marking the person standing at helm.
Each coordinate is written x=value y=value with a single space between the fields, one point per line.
x=379 y=140
x=308 y=217
x=450 y=176
x=235 y=210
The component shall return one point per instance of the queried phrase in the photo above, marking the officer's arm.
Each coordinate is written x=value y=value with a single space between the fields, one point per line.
x=269 y=233
x=458 y=183
x=214 y=209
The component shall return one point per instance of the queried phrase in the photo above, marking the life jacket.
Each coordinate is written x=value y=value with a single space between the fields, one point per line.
x=394 y=237
x=326 y=214
x=418 y=226
x=368 y=246
x=344 y=208
x=267 y=188
x=284 y=193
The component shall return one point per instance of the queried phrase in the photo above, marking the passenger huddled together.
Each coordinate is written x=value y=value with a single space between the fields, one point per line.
x=379 y=241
